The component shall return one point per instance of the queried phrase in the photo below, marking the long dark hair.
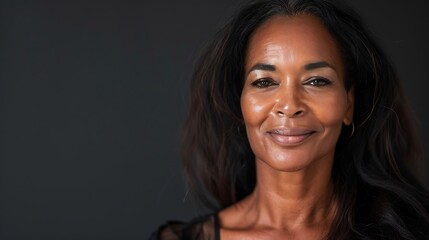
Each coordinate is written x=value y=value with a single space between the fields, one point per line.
x=377 y=194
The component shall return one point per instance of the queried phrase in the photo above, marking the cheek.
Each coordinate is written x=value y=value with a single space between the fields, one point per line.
x=255 y=112
x=331 y=110
x=255 y=109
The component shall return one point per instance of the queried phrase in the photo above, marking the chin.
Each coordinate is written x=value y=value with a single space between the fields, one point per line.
x=295 y=160
x=285 y=163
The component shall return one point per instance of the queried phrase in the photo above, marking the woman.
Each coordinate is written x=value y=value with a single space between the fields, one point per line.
x=298 y=129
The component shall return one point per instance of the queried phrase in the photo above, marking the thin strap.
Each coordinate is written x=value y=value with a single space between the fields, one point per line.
x=216 y=226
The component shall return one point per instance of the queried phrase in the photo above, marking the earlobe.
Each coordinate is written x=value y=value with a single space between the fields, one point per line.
x=348 y=117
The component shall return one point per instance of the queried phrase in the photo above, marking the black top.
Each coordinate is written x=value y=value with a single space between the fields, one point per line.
x=201 y=228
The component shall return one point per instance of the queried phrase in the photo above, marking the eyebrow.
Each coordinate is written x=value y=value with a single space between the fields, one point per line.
x=307 y=67
x=263 y=66
x=315 y=65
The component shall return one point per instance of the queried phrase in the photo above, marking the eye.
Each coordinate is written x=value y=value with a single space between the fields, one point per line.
x=264 y=83
x=318 y=81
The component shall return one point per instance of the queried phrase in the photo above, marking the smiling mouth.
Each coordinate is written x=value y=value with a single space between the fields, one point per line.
x=290 y=137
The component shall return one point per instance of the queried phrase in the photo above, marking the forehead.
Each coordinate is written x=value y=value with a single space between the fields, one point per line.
x=302 y=38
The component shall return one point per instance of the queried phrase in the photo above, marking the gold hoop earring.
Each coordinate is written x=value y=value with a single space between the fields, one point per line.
x=353 y=130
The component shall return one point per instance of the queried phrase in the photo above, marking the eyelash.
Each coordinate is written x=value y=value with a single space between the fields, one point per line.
x=322 y=81
x=268 y=82
x=264 y=83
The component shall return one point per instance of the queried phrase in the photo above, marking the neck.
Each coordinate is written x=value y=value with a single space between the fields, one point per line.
x=293 y=200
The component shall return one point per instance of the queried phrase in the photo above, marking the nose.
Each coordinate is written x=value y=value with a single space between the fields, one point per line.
x=288 y=102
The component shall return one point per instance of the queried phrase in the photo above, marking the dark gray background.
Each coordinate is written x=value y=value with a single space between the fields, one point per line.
x=93 y=95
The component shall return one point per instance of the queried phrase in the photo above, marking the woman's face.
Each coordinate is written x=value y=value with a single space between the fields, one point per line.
x=293 y=100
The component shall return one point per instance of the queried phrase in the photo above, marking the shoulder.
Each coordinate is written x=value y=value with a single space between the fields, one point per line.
x=203 y=227
x=404 y=215
x=170 y=231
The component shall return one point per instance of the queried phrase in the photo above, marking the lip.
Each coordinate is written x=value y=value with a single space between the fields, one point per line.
x=290 y=136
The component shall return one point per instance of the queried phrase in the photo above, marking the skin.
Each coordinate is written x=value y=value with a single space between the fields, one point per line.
x=294 y=105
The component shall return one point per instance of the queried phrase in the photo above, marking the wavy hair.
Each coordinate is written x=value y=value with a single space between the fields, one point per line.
x=378 y=195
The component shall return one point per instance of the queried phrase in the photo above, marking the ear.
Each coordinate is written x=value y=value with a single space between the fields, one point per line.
x=348 y=117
